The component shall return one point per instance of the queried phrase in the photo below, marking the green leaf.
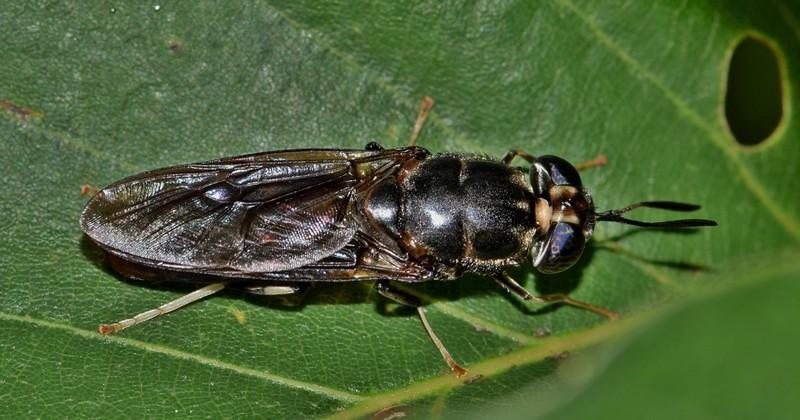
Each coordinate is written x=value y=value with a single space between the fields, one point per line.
x=728 y=355
x=90 y=93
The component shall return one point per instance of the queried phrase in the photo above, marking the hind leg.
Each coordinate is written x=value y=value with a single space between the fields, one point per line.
x=163 y=309
x=403 y=298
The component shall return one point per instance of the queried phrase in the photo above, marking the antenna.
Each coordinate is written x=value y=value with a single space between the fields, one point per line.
x=616 y=215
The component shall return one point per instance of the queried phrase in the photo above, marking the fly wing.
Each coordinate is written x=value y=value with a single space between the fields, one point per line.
x=344 y=265
x=257 y=213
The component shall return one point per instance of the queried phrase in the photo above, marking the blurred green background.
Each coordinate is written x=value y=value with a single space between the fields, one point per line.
x=93 y=92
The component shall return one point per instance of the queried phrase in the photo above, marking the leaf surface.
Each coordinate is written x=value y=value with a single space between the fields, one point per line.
x=92 y=93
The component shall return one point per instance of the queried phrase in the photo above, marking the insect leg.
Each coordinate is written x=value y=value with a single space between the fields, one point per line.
x=511 y=154
x=298 y=291
x=163 y=309
x=292 y=289
x=89 y=190
x=506 y=282
x=600 y=160
x=374 y=146
x=403 y=298
x=424 y=109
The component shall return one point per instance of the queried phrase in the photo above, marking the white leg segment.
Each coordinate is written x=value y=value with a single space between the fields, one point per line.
x=163 y=309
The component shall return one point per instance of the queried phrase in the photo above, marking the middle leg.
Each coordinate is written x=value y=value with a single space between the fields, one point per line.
x=511 y=154
x=510 y=285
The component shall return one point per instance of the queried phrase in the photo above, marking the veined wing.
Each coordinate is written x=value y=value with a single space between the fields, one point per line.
x=256 y=213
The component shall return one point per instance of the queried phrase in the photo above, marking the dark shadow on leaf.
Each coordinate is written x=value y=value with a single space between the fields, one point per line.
x=656 y=231
x=473 y=285
x=316 y=294
x=386 y=307
x=565 y=282
x=338 y=293
x=181 y=282
x=694 y=267
x=94 y=253
x=343 y=293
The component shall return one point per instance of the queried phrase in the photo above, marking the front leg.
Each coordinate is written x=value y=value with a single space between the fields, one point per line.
x=511 y=154
x=511 y=286
x=599 y=160
x=386 y=290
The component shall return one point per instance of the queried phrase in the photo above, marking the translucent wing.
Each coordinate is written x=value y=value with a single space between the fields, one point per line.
x=342 y=266
x=266 y=212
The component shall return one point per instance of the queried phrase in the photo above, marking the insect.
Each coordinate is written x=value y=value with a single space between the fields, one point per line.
x=271 y=223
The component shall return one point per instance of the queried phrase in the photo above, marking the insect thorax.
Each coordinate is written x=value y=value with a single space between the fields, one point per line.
x=460 y=211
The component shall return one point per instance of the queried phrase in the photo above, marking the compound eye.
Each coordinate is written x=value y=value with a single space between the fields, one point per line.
x=559 y=170
x=563 y=249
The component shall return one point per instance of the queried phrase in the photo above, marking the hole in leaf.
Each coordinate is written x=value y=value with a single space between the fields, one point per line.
x=753 y=97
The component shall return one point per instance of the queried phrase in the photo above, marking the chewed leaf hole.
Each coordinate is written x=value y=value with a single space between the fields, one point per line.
x=753 y=96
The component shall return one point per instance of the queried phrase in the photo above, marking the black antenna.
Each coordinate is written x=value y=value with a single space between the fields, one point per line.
x=616 y=215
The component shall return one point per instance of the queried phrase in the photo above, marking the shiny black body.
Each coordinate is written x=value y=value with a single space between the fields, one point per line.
x=458 y=212
x=270 y=223
x=341 y=215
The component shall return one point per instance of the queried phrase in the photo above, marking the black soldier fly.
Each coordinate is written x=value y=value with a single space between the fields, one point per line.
x=270 y=223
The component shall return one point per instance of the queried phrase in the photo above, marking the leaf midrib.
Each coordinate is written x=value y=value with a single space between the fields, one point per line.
x=445 y=307
x=762 y=268
x=767 y=267
x=714 y=135
x=489 y=367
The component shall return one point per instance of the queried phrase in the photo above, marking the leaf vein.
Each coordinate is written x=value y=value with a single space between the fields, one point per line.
x=750 y=181
x=395 y=91
x=178 y=354
x=71 y=142
x=453 y=311
x=495 y=366
x=789 y=17
x=773 y=265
